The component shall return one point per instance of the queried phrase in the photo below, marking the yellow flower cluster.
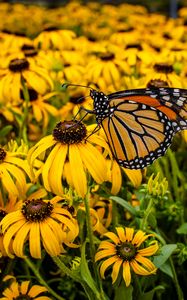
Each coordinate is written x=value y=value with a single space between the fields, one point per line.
x=49 y=161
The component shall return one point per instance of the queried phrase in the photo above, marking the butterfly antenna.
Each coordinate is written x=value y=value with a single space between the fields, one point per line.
x=66 y=85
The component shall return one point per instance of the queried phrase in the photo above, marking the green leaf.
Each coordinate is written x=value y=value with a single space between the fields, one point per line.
x=149 y=295
x=123 y=292
x=165 y=253
x=125 y=204
x=182 y=229
x=85 y=272
x=5 y=130
x=166 y=268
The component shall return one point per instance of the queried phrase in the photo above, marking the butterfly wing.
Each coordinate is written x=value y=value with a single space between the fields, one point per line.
x=142 y=123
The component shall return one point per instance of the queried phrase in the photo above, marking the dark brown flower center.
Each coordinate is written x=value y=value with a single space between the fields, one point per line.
x=136 y=46
x=50 y=28
x=29 y=50
x=156 y=83
x=70 y=132
x=36 y=210
x=23 y=297
x=18 y=64
x=163 y=68
x=106 y=56
x=2 y=154
x=33 y=95
x=2 y=214
x=77 y=99
x=126 y=251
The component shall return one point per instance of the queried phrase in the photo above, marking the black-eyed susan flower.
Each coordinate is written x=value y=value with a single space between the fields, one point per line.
x=20 y=69
x=164 y=72
x=23 y=290
x=106 y=66
x=40 y=108
x=54 y=38
x=70 y=143
x=125 y=251
x=44 y=223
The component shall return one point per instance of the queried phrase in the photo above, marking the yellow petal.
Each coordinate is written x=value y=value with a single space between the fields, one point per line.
x=135 y=176
x=8 y=236
x=129 y=233
x=151 y=250
x=19 y=240
x=121 y=234
x=104 y=253
x=35 y=290
x=106 y=264
x=34 y=240
x=49 y=240
x=24 y=287
x=94 y=162
x=57 y=167
x=113 y=237
x=47 y=166
x=115 y=270
x=145 y=262
x=139 y=269
x=126 y=273
x=77 y=171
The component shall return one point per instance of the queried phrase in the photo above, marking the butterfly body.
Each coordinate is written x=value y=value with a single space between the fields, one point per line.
x=140 y=124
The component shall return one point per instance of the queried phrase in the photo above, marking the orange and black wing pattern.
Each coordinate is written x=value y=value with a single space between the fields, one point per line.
x=140 y=124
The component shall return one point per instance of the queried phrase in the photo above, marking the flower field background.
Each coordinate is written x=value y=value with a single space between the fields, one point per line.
x=74 y=224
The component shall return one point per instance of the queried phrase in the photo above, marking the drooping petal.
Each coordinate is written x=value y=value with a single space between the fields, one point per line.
x=151 y=250
x=145 y=262
x=126 y=273
x=11 y=218
x=103 y=253
x=107 y=245
x=77 y=171
x=9 y=234
x=49 y=240
x=34 y=240
x=40 y=147
x=47 y=166
x=135 y=176
x=107 y=263
x=138 y=269
x=115 y=269
x=94 y=162
x=57 y=167
x=19 y=240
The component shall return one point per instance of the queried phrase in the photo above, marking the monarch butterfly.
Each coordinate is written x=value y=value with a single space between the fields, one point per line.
x=139 y=124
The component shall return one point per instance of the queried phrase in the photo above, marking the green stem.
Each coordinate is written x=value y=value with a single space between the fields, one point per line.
x=91 y=243
x=175 y=280
x=40 y=279
x=23 y=127
x=114 y=215
x=146 y=214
